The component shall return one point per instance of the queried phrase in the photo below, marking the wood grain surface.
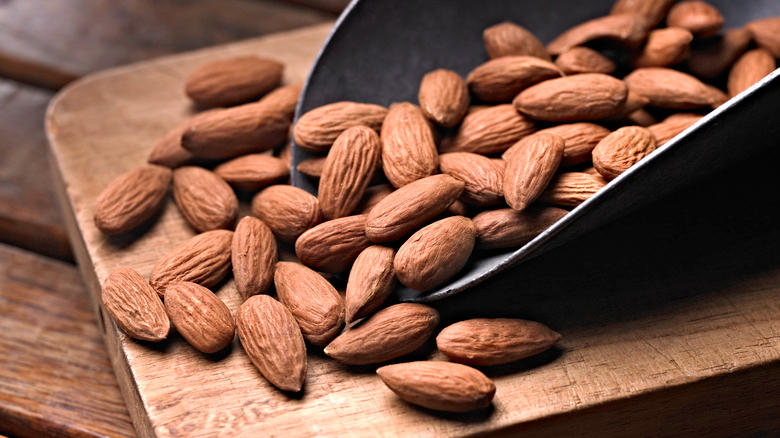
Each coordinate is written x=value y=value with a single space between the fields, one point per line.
x=55 y=375
x=676 y=303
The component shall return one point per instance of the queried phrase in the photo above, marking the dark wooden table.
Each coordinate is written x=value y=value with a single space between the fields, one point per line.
x=55 y=376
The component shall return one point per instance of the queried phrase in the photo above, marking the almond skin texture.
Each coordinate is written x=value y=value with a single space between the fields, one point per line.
x=665 y=47
x=509 y=228
x=749 y=69
x=288 y=211
x=312 y=300
x=494 y=341
x=317 y=129
x=252 y=172
x=349 y=167
x=272 y=340
x=411 y=206
x=408 y=148
x=135 y=306
x=589 y=96
x=530 y=166
x=671 y=126
x=373 y=195
x=500 y=79
x=332 y=246
x=205 y=199
x=571 y=189
x=390 y=333
x=584 y=60
x=438 y=385
x=283 y=100
x=231 y=81
x=483 y=177
x=701 y=18
x=653 y=11
x=579 y=140
x=168 y=150
x=628 y=29
x=488 y=131
x=715 y=55
x=312 y=167
x=199 y=316
x=622 y=149
x=131 y=199
x=667 y=88
x=371 y=280
x=203 y=259
x=509 y=39
x=253 y=256
x=443 y=97
x=435 y=253
x=766 y=33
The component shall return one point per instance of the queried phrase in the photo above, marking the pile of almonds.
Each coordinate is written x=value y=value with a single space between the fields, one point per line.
x=406 y=193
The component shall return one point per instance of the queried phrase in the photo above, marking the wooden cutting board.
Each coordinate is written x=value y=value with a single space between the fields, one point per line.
x=659 y=372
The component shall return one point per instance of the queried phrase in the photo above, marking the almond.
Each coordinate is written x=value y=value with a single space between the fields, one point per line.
x=411 y=206
x=671 y=126
x=435 y=253
x=570 y=189
x=713 y=56
x=168 y=151
x=288 y=211
x=252 y=172
x=272 y=340
x=332 y=246
x=749 y=69
x=317 y=129
x=253 y=256
x=653 y=11
x=371 y=280
x=443 y=97
x=530 y=166
x=628 y=29
x=642 y=118
x=443 y=386
x=390 y=333
x=134 y=306
x=669 y=88
x=634 y=101
x=588 y=96
x=373 y=195
x=701 y=18
x=131 y=199
x=457 y=208
x=584 y=60
x=315 y=303
x=203 y=259
x=283 y=100
x=509 y=228
x=348 y=169
x=312 y=167
x=766 y=33
x=483 y=177
x=231 y=81
x=199 y=316
x=500 y=79
x=489 y=131
x=205 y=199
x=408 y=149
x=665 y=47
x=579 y=140
x=622 y=149
x=494 y=341
x=509 y=39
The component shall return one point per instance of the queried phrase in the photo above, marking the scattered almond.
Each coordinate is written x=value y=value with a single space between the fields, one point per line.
x=500 y=79
x=135 y=306
x=283 y=100
x=253 y=256
x=509 y=228
x=671 y=126
x=653 y=11
x=588 y=96
x=483 y=177
x=628 y=29
x=316 y=130
x=288 y=211
x=571 y=189
x=131 y=199
x=252 y=172
x=372 y=196
x=488 y=131
x=622 y=149
x=509 y=39
x=199 y=316
x=443 y=97
x=766 y=33
x=669 y=88
x=530 y=166
x=408 y=148
x=701 y=18
x=665 y=47
x=205 y=199
x=231 y=81
x=579 y=140
x=312 y=167
x=749 y=69
x=371 y=280
x=584 y=60
x=713 y=56
x=332 y=246
x=203 y=259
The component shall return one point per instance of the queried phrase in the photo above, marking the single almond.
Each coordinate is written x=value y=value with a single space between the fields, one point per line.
x=371 y=280
x=665 y=47
x=588 y=96
x=494 y=341
x=439 y=385
x=168 y=150
x=711 y=57
x=372 y=196
x=509 y=228
x=349 y=167
x=667 y=88
x=390 y=333
x=749 y=69
x=641 y=117
x=272 y=340
x=312 y=167
x=332 y=246
x=252 y=172
x=253 y=256
x=411 y=206
x=457 y=208
x=488 y=131
x=135 y=306
x=482 y=176
x=283 y=100
x=203 y=259
x=509 y=39
x=671 y=126
x=622 y=149
x=634 y=101
x=571 y=189
x=500 y=79
x=653 y=11
x=316 y=130
x=204 y=199
x=530 y=166
x=579 y=140
x=701 y=18
x=628 y=29
x=131 y=199
x=199 y=316
x=408 y=148
x=584 y=60
x=766 y=34
x=443 y=97
x=288 y=211
x=435 y=253
x=312 y=300
x=232 y=81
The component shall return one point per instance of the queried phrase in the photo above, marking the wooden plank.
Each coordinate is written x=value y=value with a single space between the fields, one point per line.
x=677 y=294
x=55 y=375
